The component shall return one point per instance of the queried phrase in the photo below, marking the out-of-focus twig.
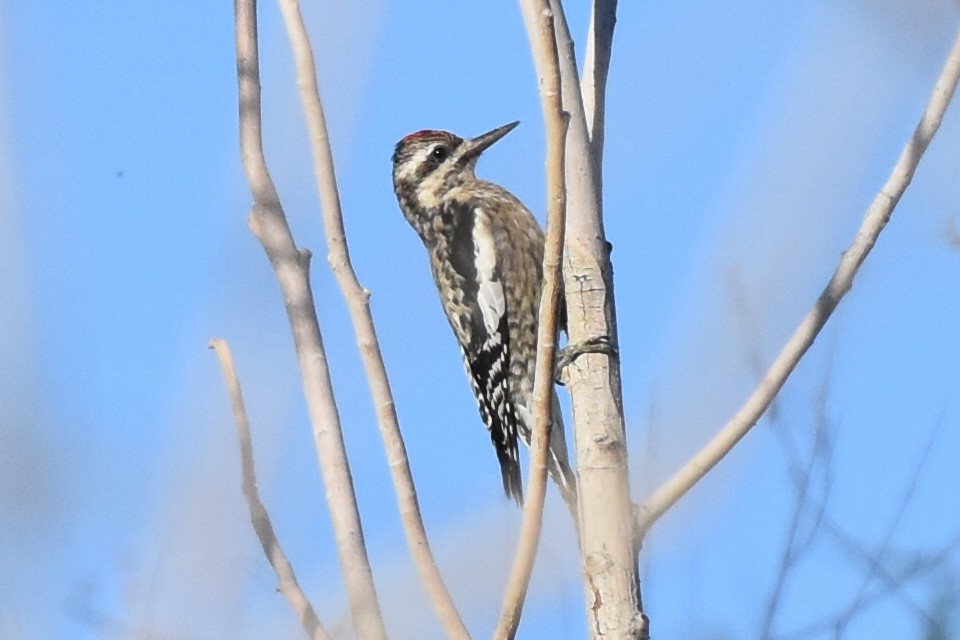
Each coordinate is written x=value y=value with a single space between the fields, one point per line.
x=292 y=269
x=855 y=606
x=873 y=224
x=288 y=586
x=357 y=299
x=544 y=46
x=820 y=455
x=952 y=234
x=894 y=583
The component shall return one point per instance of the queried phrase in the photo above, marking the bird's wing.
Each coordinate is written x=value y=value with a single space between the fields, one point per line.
x=483 y=333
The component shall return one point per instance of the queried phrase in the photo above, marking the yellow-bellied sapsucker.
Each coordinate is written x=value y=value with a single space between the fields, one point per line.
x=486 y=254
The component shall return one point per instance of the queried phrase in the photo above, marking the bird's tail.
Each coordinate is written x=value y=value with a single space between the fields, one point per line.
x=558 y=461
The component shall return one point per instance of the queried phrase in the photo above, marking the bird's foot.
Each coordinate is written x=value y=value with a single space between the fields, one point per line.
x=566 y=355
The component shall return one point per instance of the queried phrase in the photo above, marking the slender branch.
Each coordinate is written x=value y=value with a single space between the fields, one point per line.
x=894 y=583
x=288 y=586
x=357 y=299
x=609 y=558
x=291 y=266
x=544 y=46
x=593 y=81
x=793 y=550
x=873 y=224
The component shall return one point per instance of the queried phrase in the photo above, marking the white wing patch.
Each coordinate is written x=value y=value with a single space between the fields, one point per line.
x=490 y=289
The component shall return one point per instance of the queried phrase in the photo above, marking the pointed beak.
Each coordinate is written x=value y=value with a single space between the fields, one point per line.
x=476 y=146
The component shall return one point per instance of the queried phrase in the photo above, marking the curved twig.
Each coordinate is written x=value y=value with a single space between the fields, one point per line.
x=288 y=585
x=291 y=266
x=873 y=224
x=544 y=44
x=357 y=299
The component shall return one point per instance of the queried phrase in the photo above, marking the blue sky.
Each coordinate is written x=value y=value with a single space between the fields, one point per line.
x=745 y=140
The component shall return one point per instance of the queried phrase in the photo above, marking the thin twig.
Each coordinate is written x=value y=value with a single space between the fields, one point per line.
x=288 y=586
x=893 y=586
x=545 y=46
x=873 y=224
x=905 y=501
x=357 y=299
x=793 y=551
x=291 y=267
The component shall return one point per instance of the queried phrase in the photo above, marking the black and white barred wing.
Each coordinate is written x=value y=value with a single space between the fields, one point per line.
x=485 y=341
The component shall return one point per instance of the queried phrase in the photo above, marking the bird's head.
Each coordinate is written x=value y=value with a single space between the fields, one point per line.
x=427 y=164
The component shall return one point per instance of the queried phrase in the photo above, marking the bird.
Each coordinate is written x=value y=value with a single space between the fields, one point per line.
x=486 y=255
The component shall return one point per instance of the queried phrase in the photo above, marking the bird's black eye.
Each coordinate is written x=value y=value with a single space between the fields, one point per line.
x=439 y=153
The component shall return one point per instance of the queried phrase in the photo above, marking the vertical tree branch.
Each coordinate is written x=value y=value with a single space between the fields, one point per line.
x=545 y=47
x=593 y=83
x=611 y=583
x=291 y=266
x=288 y=586
x=873 y=224
x=357 y=299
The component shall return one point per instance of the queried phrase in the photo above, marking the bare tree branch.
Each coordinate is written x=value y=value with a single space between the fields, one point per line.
x=593 y=83
x=358 y=299
x=288 y=587
x=544 y=48
x=291 y=266
x=609 y=555
x=873 y=224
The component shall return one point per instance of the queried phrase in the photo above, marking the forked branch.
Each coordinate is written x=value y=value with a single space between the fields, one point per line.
x=357 y=299
x=291 y=266
x=608 y=558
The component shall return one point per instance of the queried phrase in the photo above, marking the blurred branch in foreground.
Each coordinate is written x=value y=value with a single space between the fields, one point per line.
x=292 y=269
x=288 y=586
x=358 y=302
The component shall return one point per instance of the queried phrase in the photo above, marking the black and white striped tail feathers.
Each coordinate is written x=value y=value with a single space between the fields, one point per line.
x=558 y=460
x=488 y=371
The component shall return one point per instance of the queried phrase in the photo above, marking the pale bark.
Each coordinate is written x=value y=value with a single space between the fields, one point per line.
x=611 y=588
x=786 y=361
x=291 y=267
x=357 y=299
x=287 y=584
x=545 y=47
x=593 y=81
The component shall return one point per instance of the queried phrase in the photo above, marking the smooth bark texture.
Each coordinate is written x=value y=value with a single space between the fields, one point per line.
x=611 y=584
x=873 y=224
x=291 y=266
x=357 y=299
